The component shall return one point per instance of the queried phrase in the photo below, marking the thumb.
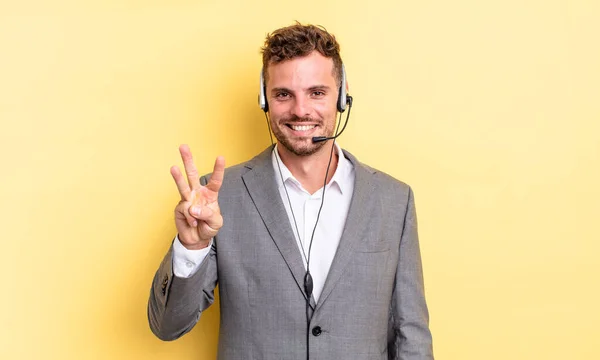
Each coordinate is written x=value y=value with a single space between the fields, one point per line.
x=201 y=212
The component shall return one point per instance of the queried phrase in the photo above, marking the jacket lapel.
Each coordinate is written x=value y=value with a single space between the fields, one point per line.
x=356 y=225
x=262 y=187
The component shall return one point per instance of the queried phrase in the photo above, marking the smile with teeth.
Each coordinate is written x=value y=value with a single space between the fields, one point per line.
x=302 y=127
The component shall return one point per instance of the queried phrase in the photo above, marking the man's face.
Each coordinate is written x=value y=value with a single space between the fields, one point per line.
x=302 y=95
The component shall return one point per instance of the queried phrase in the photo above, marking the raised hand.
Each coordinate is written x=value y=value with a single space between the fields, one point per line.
x=197 y=216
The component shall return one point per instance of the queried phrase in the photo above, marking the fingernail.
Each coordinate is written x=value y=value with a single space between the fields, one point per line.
x=195 y=224
x=196 y=210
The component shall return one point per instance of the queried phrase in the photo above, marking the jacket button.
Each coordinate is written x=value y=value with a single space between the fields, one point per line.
x=316 y=331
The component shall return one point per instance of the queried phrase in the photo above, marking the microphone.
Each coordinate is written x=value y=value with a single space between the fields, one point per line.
x=317 y=139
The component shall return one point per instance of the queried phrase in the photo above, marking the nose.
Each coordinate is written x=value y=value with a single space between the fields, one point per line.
x=300 y=107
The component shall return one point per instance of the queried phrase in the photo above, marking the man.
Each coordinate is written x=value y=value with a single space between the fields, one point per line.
x=256 y=228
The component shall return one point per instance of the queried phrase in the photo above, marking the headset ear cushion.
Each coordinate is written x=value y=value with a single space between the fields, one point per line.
x=262 y=94
x=265 y=106
x=342 y=101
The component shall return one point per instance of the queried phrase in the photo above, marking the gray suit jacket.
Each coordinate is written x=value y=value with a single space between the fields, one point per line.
x=372 y=305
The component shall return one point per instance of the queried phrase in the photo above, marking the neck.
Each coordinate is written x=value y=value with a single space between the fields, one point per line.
x=310 y=170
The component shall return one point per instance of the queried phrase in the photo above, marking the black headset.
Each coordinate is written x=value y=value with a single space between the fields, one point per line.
x=342 y=101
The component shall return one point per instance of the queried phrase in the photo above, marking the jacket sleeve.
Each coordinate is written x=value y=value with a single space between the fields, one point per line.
x=175 y=303
x=409 y=334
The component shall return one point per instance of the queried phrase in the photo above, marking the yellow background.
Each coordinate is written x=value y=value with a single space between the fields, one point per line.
x=489 y=109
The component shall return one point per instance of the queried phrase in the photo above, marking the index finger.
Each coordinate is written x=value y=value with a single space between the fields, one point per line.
x=216 y=179
x=182 y=186
x=190 y=167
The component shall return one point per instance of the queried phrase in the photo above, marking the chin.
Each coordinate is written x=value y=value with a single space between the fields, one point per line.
x=303 y=149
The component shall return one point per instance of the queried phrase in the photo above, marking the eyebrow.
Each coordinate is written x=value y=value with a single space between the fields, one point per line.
x=319 y=87
x=278 y=89
x=312 y=88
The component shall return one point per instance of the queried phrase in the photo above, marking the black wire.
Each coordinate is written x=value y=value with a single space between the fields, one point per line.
x=269 y=129
x=307 y=276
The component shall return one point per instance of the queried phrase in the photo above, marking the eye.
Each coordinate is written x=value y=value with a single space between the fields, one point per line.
x=318 y=93
x=282 y=95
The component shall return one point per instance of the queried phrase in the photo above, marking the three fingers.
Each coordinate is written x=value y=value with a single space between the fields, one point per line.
x=194 y=197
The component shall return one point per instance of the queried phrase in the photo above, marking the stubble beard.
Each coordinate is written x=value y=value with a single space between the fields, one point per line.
x=305 y=145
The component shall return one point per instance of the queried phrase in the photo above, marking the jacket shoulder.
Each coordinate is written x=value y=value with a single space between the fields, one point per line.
x=384 y=180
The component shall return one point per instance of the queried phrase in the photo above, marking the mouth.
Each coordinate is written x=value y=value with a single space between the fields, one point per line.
x=302 y=129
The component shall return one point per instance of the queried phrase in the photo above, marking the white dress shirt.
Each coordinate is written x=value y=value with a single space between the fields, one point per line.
x=338 y=193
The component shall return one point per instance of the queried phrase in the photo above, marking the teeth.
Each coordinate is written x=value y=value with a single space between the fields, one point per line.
x=302 y=127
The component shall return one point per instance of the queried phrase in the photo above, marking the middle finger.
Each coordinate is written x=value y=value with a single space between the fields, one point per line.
x=190 y=167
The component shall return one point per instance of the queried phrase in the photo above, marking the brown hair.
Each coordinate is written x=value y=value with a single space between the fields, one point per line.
x=300 y=40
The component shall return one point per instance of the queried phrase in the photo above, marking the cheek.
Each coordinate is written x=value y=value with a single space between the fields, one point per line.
x=328 y=113
x=326 y=110
x=278 y=110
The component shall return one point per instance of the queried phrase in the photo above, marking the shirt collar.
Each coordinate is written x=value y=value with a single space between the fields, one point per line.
x=342 y=176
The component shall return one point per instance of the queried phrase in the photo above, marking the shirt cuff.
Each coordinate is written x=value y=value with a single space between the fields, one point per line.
x=187 y=262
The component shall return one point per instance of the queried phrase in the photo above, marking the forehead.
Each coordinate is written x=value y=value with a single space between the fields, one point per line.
x=302 y=72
